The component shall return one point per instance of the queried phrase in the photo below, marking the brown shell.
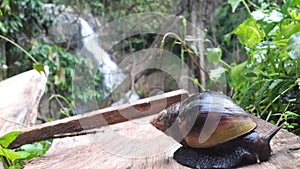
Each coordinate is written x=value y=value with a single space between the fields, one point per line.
x=209 y=118
x=204 y=120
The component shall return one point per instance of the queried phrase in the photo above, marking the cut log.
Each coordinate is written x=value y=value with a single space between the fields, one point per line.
x=99 y=118
x=19 y=100
x=136 y=144
x=112 y=151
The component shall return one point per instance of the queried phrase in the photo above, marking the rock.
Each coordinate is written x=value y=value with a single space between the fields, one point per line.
x=66 y=28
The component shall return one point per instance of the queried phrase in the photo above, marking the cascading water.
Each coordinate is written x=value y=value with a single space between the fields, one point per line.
x=113 y=75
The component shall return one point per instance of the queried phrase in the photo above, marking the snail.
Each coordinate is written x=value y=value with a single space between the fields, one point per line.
x=214 y=131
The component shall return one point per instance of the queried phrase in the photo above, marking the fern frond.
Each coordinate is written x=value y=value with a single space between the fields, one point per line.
x=261 y=91
x=275 y=90
x=246 y=98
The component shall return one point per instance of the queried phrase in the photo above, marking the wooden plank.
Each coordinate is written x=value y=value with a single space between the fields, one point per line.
x=19 y=99
x=99 y=118
x=105 y=150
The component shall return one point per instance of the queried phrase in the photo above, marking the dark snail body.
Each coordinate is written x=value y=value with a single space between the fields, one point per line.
x=215 y=132
x=238 y=152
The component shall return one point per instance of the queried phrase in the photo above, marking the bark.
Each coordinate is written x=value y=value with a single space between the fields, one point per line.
x=201 y=13
x=83 y=124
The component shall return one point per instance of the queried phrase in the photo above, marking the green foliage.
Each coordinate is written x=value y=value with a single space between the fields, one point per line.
x=23 y=16
x=249 y=33
x=214 y=54
x=234 y=4
x=113 y=10
x=36 y=149
x=9 y=138
x=24 y=23
x=10 y=157
x=293 y=45
x=14 y=159
x=37 y=65
x=224 y=21
x=20 y=21
x=267 y=84
x=65 y=111
x=40 y=67
x=61 y=65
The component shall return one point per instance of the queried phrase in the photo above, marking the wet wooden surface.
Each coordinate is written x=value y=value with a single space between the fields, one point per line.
x=136 y=144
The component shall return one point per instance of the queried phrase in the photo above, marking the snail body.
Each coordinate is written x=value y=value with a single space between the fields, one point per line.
x=214 y=131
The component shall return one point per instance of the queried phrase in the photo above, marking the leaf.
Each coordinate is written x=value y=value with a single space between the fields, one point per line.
x=195 y=50
x=215 y=74
x=196 y=81
x=288 y=27
x=234 y=4
x=289 y=3
x=261 y=92
x=9 y=138
x=285 y=86
x=249 y=33
x=250 y=74
x=293 y=46
x=227 y=39
x=3 y=28
x=235 y=72
x=276 y=86
x=289 y=113
x=35 y=149
x=246 y=98
x=275 y=83
x=14 y=155
x=40 y=67
x=294 y=13
x=214 y=54
x=267 y=20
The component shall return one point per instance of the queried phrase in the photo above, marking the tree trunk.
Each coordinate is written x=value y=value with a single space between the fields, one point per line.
x=201 y=12
x=3 y=67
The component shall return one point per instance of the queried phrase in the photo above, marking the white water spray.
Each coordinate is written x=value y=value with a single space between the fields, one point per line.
x=113 y=75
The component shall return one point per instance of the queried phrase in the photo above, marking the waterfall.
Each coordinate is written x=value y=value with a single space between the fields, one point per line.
x=113 y=75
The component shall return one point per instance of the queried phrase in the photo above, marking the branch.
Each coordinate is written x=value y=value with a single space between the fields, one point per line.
x=79 y=124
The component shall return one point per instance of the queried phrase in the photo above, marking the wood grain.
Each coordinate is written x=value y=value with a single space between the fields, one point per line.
x=19 y=100
x=99 y=118
x=110 y=151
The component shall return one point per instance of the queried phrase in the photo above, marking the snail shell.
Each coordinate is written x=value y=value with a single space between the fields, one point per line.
x=210 y=118
x=215 y=132
x=204 y=120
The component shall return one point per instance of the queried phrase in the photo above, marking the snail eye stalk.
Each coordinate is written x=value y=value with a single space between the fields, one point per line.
x=269 y=136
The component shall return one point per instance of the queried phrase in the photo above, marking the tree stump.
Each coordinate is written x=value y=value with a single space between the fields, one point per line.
x=136 y=144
